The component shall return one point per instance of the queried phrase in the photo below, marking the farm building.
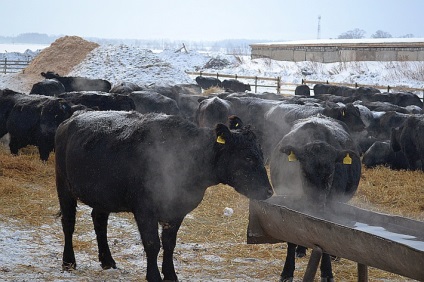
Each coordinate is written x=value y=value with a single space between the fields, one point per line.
x=342 y=50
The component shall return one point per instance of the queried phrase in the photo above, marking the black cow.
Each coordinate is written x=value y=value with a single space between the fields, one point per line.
x=47 y=87
x=316 y=161
x=125 y=87
x=280 y=118
x=381 y=153
x=212 y=111
x=153 y=102
x=381 y=127
x=233 y=85
x=409 y=139
x=152 y=171
x=72 y=83
x=31 y=120
x=208 y=82
x=302 y=90
x=402 y=99
x=100 y=101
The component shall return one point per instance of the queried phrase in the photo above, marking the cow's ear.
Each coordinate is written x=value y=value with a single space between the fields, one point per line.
x=291 y=152
x=223 y=134
x=235 y=122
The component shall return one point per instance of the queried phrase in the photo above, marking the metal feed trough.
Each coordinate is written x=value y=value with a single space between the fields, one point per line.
x=391 y=243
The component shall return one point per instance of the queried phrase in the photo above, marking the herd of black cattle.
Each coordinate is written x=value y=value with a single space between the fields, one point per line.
x=123 y=148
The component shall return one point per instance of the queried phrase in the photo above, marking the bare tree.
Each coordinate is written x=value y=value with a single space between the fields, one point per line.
x=381 y=34
x=409 y=35
x=354 y=33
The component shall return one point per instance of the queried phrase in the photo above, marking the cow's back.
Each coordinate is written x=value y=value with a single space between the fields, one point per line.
x=130 y=154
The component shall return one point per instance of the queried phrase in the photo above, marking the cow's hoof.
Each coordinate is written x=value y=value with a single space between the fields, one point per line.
x=327 y=279
x=286 y=279
x=108 y=266
x=69 y=266
x=300 y=254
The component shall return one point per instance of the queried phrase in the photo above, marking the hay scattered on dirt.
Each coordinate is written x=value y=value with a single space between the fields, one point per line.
x=210 y=244
x=61 y=56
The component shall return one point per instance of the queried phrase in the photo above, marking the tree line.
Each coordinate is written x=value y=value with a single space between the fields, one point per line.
x=358 y=33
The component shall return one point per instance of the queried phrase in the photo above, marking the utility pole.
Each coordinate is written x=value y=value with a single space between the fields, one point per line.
x=319 y=27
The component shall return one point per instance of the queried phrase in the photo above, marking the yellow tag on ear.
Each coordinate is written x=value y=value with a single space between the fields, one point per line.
x=347 y=159
x=220 y=139
x=292 y=157
x=237 y=125
x=343 y=113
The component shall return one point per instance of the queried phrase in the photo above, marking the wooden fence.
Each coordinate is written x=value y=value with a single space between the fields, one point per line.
x=289 y=88
x=257 y=80
x=12 y=66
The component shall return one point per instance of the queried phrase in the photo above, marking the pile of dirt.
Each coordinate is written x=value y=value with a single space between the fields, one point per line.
x=61 y=56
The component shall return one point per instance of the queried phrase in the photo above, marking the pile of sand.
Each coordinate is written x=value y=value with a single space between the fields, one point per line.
x=61 y=56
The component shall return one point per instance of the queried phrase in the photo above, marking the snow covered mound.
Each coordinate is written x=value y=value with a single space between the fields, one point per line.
x=117 y=63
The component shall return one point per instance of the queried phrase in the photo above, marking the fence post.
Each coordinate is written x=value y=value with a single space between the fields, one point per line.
x=217 y=75
x=256 y=84
x=303 y=81
x=278 y=84
x=388 y=88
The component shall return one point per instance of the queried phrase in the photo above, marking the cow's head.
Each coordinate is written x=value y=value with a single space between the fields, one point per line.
x=50 y=75
x=239 y=162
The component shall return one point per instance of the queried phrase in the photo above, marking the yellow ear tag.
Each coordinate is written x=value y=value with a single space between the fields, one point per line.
x=347 y=159
x=292 y=157
x=237 y=125
x=343 y=113
x=220 y=139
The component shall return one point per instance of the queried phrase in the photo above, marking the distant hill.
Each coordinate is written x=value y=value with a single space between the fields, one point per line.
x=33 y=38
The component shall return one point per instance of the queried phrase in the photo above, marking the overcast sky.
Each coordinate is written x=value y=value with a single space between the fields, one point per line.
x=199 y=20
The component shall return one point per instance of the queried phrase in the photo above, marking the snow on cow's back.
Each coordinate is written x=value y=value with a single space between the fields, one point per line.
x=337 y=129
x=120 y=124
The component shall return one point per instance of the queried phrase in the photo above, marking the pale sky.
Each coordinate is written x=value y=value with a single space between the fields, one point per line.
x=199 y=20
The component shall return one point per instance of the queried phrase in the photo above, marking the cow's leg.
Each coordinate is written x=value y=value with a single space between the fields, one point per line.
x=169 y=240
x=15 y=144
x=68 y=206
x=44 y=153
x=326 y=270
x=289 y=264
x=300 y=251
x=100 y=227
x=148 y=228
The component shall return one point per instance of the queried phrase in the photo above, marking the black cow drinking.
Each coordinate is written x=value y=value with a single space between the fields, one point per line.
x=155 y=166
x=316 y=161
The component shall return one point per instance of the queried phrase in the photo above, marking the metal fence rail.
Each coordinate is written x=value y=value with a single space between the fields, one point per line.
x=12 y=66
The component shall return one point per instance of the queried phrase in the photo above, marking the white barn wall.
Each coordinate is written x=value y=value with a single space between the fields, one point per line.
x=337 y=50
